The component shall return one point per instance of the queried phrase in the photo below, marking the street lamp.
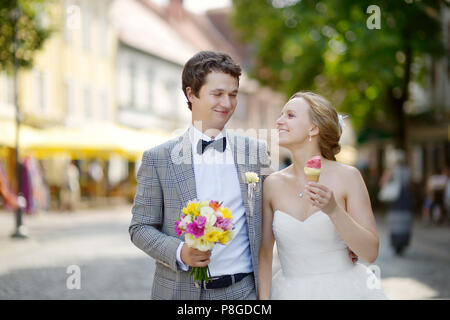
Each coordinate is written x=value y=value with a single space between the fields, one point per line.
x=20 y=228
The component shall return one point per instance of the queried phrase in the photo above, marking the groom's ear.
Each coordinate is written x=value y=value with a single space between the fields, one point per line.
x=190 y=94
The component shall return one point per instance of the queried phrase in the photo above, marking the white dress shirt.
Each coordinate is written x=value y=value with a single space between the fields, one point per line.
x=216 y=178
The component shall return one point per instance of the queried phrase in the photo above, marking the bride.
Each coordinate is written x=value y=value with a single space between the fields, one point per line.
x=314 y=224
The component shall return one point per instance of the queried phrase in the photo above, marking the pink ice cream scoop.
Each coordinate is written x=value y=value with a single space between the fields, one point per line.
x=314 y=162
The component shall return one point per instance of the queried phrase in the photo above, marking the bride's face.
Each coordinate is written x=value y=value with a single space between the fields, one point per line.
x=294 y=124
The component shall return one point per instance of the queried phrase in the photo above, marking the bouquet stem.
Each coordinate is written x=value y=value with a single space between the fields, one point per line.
x=200 y=274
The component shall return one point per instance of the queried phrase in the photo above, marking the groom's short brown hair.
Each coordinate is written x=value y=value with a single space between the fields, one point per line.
x=201 y=64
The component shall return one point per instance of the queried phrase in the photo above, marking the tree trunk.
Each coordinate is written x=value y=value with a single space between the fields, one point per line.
x=401 y=117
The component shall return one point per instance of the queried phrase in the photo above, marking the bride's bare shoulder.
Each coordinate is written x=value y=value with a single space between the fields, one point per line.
x=343 y=170
x=275 y=179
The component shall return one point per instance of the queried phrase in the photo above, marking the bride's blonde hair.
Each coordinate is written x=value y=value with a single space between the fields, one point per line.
x=325 y=116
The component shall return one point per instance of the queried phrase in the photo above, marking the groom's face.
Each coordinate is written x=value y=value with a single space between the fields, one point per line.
x=216 y=100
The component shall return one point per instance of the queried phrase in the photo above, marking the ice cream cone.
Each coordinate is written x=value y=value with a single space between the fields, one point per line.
x=313 y=177
x=312 y=169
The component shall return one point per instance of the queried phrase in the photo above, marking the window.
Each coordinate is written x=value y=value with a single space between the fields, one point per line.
x=87 y=96
x=172 y=97
x=132 y=79
x=7 y=89
x=70 y=112
x=124 y=84
x=141 y=91
x=72 y=17
x=104 y=103
x=103 y=33
x=86 y=32
x=41 y=91
x=150 y=89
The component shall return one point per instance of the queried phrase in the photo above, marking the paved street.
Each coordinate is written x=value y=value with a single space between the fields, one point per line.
x=97 y=241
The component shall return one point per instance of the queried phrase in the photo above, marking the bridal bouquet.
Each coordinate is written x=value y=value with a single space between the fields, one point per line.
x=204 y=223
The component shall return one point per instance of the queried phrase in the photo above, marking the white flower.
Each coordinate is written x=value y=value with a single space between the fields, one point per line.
x=252 y=177
x=209 y=214
x=199 y=243
x=204 y=203
x=211 y=229
x=186 y=220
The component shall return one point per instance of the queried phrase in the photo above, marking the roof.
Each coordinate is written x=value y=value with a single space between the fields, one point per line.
x=141 y=27
x=170 y=32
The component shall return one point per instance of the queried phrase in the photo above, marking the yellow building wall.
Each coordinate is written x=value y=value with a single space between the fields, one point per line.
x=60 y=61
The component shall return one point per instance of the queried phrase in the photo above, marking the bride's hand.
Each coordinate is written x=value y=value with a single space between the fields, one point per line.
x=321 y=197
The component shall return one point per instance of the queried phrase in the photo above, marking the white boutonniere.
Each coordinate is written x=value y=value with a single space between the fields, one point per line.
x=252 y=179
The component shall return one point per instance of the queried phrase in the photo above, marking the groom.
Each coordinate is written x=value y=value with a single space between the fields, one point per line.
x=206 y=163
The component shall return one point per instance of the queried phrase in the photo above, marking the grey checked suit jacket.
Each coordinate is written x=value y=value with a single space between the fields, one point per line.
x=166 y=182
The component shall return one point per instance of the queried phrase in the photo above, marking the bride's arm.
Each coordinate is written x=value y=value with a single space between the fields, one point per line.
x=357 y=227
x=267 y=241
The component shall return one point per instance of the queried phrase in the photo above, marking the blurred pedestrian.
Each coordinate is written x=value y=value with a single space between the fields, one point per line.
x=71 y=188
x=6 y=193
x=96 y=175
x=433 y=207
x=399 y=214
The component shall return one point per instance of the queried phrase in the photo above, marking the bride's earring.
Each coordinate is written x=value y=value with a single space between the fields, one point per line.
x=309 y=138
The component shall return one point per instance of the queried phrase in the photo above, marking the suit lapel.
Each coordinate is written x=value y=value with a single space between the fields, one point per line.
x=181 y=163
x=238 y=146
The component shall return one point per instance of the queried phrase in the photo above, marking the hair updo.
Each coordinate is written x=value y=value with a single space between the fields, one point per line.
x=325 y=116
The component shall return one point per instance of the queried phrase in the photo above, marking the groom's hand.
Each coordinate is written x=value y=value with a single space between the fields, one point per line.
x=194 y=257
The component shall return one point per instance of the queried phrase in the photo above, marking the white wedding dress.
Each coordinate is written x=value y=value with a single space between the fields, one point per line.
x=315 y=263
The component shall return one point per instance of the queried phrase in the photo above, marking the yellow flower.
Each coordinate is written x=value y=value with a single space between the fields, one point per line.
x=224 y=237
x=226 y=213
x=213 y=236
x=192 y=208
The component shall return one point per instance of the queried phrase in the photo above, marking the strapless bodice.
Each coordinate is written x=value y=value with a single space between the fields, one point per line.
x=309 y=247
x=315 y=263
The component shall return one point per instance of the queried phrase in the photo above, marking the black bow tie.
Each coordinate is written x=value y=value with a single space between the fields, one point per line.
x=219 y=145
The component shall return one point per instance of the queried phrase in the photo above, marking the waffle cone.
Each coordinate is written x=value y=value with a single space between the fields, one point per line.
x=313 y=177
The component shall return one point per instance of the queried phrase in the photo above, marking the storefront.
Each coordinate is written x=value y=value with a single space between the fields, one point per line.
x=85 y=165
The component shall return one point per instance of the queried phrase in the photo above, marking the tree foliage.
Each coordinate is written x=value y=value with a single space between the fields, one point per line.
x=33 y=28
x=326 y=46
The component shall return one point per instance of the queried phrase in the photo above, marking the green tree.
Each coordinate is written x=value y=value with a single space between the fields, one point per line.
x=33 y=28
x=25 y=25
x=328 y=46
